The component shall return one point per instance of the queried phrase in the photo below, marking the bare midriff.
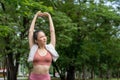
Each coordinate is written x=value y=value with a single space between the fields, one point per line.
x=40 y=69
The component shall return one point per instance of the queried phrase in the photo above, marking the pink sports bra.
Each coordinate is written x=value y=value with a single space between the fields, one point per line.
x=42 y=60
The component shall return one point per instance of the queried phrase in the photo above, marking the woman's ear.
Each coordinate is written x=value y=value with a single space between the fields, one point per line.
x=36 y=41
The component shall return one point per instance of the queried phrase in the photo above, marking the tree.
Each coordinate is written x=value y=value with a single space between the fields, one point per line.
x=18 y=22
x=89 y=47
x=87 y=35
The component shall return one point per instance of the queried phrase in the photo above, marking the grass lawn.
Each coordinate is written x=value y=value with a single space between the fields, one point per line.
x=87 y=79
x=76 y=79
x=55 y=78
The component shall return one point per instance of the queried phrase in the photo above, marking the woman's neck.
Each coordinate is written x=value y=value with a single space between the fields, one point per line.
x=41 y=46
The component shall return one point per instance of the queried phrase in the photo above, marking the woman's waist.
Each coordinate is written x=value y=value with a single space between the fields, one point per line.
x=40 y=69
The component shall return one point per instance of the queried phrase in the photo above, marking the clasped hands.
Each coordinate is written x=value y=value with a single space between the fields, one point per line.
x=42 y=14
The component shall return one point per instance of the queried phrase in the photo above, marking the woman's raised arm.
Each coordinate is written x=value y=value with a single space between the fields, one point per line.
x=52 y=30
x=31 y=30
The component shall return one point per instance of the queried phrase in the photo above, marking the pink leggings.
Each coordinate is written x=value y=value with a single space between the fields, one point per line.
x=34 y=76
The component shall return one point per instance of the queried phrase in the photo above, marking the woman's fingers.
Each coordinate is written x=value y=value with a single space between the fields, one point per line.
x=46 y=14
x=42 y=14
x=37 y=14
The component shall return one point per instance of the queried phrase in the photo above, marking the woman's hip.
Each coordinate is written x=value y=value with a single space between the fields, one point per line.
x=34 y=76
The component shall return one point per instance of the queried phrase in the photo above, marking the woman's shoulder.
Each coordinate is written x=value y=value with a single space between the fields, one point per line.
x=49 y=46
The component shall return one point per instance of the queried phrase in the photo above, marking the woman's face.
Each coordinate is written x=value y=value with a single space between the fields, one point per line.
x=41 y=38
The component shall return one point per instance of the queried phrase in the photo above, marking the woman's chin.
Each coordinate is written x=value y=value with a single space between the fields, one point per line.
x=44 y=43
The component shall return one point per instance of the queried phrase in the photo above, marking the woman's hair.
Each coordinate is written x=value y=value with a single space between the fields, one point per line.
x=35 y=34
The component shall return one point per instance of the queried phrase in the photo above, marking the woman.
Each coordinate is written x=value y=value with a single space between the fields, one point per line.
x=41 y=55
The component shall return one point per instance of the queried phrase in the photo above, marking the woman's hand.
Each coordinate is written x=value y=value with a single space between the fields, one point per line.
x=37 y=14
x=44 y=14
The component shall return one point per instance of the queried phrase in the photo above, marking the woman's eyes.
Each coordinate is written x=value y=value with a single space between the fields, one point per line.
x=42 y=36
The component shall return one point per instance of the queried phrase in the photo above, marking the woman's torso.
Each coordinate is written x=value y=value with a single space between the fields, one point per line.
x=41 y=64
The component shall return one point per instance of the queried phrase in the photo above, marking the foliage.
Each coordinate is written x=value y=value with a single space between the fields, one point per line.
x=87 y=33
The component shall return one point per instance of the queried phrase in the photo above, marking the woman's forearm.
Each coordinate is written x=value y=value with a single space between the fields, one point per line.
x=51 y=24
x=52 y=31
x=31 y=30
x=33 y=24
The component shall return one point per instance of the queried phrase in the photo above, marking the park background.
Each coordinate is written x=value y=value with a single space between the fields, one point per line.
x=87 y=33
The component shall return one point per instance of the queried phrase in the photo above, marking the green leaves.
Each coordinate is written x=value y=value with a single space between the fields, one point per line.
x=5 y=31
x=87 y=33
x=65 y=28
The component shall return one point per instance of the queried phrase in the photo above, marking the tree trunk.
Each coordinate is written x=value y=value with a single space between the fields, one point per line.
x=83 y=71
x=92 y=73
x=71 y=73
x=108 y=74
x=62 y=77
x=118 y=75
x=11 y=69
x=101 y=74
x=54 y=72
x=4 y=67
